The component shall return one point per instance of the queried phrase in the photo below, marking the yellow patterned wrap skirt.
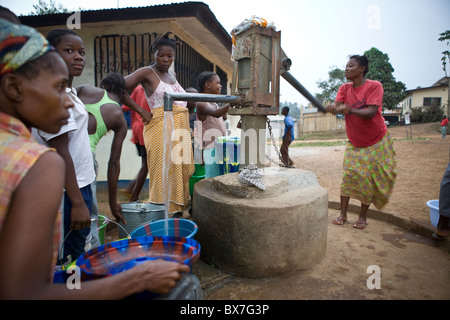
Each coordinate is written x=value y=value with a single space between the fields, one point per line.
x=181 y=162
x=370 y=172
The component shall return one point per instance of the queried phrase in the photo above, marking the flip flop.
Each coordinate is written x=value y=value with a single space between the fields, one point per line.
x=360 y=225
x=339 y=221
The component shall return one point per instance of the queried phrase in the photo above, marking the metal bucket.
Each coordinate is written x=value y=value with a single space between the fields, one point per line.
x=138 y=213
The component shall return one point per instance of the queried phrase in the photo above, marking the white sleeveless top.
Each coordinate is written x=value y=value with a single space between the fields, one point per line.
x=156 y=100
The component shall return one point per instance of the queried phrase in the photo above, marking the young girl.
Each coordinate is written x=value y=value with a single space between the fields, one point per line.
x=105 y=114
x=210 y=115
x=137 y=128
x=157 y=79
x=32 y=94
x=72 y=143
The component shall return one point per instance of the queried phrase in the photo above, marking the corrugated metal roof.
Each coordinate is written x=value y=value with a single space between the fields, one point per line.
x=199 y=10
x=443 y=82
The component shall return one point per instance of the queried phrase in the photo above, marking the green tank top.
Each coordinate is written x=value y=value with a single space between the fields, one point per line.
x=101 y=129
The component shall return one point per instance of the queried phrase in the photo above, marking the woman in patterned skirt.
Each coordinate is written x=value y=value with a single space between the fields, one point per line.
x=157 y=79
x=369 y=160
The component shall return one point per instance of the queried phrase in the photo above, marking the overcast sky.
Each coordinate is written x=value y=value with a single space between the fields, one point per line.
x=320 y=34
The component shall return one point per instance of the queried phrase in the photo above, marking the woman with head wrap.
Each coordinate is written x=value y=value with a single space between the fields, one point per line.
x=33 y=79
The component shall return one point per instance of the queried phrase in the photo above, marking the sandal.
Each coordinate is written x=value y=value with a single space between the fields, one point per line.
x=360 y=225
x=339 y=221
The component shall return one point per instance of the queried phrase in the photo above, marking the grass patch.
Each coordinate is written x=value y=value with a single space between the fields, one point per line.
x=321 y=139
x=342 y=142
x=332 y=143
x=331 y=139
x=298 y=144
x=408 y=139
x=324 y=136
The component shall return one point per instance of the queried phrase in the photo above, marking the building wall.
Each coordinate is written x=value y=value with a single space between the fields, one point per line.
x=406 y=104
x=319 y=122
x=130 y=161
x=89 y=31
x=415 y=98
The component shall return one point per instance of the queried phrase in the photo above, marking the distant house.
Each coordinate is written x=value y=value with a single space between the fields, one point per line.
x=393 y=116
x=435 y=95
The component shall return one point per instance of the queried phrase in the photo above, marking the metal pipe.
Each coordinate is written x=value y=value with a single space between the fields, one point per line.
x=297 y=85
x=169 y=97
x=168 y=102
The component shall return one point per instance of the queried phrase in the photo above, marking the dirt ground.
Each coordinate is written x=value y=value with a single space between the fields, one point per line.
x=421 y=162
x=412 y=265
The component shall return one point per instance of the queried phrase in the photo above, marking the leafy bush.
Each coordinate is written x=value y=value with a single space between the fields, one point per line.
x=426 y=114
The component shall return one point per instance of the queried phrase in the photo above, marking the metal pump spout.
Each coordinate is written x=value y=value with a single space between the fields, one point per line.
x=169 y=97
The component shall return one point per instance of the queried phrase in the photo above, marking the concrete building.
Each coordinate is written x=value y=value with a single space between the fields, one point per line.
x=434 y=95
x=118 y=40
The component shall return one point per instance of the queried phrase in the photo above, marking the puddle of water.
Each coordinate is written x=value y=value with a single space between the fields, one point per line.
x=395 y=239
x=411 y=237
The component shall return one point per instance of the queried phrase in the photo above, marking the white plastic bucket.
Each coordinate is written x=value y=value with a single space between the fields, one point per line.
x=434 y=211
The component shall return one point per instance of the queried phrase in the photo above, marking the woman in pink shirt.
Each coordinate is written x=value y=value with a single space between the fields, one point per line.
x=369 y=160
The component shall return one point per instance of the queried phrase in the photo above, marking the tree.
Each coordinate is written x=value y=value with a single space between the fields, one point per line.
x=48 y=8
x=294 y=109
x=336 y=78
x=445 y=36
x=381 y=69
